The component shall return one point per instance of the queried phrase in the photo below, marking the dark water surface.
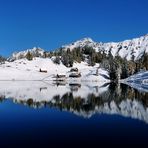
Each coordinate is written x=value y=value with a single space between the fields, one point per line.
x=33 y=115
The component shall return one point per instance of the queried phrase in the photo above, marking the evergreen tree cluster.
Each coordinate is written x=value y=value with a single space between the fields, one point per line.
x=2 y=59
x=120 y=68
x=68 y=57
x=29 y=56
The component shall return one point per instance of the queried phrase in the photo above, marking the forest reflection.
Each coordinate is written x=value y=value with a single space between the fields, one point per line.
x=114 y=99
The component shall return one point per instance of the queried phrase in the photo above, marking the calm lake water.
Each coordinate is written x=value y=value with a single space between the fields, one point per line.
x=38 y=114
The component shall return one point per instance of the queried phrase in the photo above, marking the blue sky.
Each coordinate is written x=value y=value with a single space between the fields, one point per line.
x=52 y=23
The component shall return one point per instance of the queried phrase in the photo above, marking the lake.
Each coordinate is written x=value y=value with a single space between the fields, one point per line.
x=48 y=114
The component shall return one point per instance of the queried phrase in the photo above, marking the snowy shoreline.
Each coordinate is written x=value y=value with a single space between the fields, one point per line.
x=24 y=70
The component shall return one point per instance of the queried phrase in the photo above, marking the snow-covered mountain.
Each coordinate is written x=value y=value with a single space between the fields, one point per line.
x=20 y=68
x=128 y=49
x=36 y=51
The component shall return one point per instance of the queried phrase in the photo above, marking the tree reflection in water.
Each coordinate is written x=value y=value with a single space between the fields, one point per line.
x=108 y=99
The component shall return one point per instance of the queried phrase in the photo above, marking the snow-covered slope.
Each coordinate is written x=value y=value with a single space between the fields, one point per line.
x=138 y=81
x=129 y=49
x=139 y=78
x=23 y=69
x=29 y=70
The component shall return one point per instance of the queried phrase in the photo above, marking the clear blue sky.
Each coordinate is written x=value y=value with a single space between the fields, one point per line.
x=52 y=23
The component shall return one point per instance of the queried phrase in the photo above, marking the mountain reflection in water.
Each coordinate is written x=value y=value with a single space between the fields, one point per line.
x=84 y=100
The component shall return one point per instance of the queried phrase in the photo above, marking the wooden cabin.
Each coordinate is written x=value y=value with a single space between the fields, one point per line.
x=44 y=71
x=75 y=75
x=74 y=69
x=59 y=77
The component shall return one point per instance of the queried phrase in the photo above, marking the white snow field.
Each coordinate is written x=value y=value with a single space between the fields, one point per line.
x=23 y=69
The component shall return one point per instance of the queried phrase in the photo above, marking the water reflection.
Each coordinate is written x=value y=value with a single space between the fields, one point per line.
x=85 y=99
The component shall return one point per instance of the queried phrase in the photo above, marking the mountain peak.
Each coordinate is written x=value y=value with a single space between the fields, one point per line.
x=79 y=43
x=86 y=40
x=36 y=51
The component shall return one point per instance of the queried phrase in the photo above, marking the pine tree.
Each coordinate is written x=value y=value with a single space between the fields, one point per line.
x=29 y=56
x=45 y=54
x=57 y=60
x=2 y=60
x=67 y=59
x=145 y=61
